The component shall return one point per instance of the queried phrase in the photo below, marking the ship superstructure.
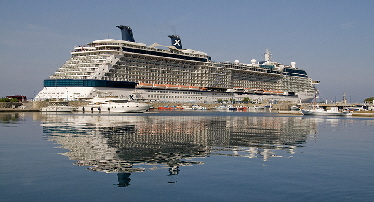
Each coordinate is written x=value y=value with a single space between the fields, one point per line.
x=123 y=68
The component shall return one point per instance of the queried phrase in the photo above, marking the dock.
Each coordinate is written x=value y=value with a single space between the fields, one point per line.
x=363 y=113
x=281 y=108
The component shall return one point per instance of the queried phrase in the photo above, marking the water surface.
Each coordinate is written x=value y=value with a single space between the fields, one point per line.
x=185 y=156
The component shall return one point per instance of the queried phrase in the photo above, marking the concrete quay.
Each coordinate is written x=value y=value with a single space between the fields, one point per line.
x=282 y=108
x=363 y=113
x=18 y=110
x=18 y=107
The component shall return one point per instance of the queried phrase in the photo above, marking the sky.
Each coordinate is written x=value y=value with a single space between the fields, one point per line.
x=331 y=40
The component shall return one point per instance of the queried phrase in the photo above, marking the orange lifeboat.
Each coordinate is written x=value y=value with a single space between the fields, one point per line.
x=193 y=88
x=173 y=87
x=159 y=86
x=180 y=87
x=144 y=85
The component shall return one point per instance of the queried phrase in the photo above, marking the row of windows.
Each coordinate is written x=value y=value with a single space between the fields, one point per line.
x=179 y=92
x=170 y=96
x=87 y=83
x=156 y=53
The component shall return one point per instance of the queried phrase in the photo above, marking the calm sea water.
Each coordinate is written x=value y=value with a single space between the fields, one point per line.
x=185 y=156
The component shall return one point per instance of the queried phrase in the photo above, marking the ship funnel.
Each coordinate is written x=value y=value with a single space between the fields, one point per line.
x=176 y=41
x=293 y=65
x=126 y=33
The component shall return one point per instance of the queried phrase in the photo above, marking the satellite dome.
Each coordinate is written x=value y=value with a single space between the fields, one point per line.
x=253 y=61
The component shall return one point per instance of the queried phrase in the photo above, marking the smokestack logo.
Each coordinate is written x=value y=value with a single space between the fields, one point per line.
x=177 y=43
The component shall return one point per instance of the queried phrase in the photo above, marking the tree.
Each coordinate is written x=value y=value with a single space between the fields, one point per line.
x=5 y=99
x=246 y=100
x=369 y=100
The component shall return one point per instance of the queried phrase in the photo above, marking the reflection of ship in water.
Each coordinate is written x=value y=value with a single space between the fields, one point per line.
x=125 y=144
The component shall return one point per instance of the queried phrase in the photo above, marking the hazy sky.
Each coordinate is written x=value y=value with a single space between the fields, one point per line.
x=331 y=40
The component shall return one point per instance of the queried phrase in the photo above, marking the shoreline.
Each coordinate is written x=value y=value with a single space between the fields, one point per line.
x=355 y=113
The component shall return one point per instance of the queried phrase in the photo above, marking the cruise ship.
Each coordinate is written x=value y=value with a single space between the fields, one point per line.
x=157 y=73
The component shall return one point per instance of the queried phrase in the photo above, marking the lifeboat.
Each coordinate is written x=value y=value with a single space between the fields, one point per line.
x=248 y=90
x=267 y=92
x=180 y=87
x=279 y=92
x=193 y=88
x=144 y=85
x=259 y=91
x=159 y=86
x=173 y=87
x=270 y=92
x=238 y=89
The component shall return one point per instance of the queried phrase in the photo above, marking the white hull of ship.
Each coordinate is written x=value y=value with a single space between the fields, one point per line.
x=163 y=95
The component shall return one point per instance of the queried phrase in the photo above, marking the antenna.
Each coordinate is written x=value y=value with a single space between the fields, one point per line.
x=267 y=55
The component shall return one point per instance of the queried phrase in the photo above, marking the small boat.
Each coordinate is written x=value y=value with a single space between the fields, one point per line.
x=198 y=107
x=58 y=107
x=334 y=111
x=222 y=108
x=294 y=108
x=186 y=107
x=232 y=108
x=166 y=108
x=259 y=107
x=115 y=105
x=241 y=108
